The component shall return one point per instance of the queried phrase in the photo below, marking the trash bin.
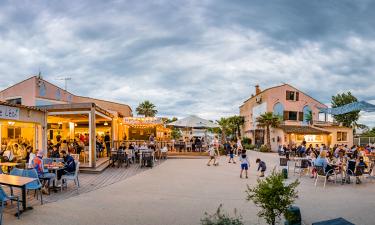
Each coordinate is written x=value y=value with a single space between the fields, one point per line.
x=285 y=173
x=294 y=217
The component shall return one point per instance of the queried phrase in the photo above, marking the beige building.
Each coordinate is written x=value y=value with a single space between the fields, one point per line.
x=295 y=108
x=70 y=116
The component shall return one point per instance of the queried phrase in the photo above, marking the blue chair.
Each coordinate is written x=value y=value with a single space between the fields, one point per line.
x=35 y=185
x=3 y=198
x=16 y=172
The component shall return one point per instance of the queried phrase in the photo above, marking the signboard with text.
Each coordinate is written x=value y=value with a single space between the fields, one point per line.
x=11 y=113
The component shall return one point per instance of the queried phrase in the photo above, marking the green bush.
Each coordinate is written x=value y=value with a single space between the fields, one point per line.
x=249 y=146
x=221 y=218
x=246 y=141
x=273 y=196
x=264 y=148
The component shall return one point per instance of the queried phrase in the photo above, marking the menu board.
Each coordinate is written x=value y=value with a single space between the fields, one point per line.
x=11 y=113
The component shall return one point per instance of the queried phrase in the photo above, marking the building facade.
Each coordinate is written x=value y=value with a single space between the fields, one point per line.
x=70 y=117
x=300 y=115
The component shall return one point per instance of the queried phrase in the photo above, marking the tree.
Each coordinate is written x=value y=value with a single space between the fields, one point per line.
x=226 y=127
x=273 y=196
x=167 y=120
x=268 y=120
x=348 y=119
x=237 y=122
x=309 y=117
x=176 y=133
x=147 y=109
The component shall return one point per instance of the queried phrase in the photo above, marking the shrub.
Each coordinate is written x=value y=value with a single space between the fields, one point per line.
x=221 y=218
x=246 y=141
x=249 y=146
x=264 y=148
x=273 y=196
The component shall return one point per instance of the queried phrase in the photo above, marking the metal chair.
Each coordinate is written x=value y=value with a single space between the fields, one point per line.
x=73 y=177
x=3 y=198
x=284 y=163
x=320 y=172
x=36 y=185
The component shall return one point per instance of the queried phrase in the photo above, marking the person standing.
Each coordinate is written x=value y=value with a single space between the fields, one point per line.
x=245 y=164
x=107 y=141
x=239 y=146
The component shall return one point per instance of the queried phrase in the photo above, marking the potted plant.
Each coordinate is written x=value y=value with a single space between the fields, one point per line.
x=273 y=196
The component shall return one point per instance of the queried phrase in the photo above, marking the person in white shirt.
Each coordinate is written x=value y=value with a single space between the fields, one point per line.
x=8 y=155
x=212 y=155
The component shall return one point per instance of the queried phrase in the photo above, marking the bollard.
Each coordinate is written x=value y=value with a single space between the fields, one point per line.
x=294 y=216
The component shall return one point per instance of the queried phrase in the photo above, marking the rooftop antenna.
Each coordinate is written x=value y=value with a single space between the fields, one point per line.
x=65 y=79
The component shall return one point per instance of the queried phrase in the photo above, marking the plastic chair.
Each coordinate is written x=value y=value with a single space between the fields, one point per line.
x=164 y=152
x=3 y=198
x=320 y=172
x=73 y=177
x=36 y=185
x=15 y=172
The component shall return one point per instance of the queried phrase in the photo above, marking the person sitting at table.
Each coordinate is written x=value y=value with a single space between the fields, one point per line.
x=55 y=152
x=8 y=155
x=70 y=165
x=360 y=164
x=37 y=164
x=29 y=150
x=122 y=147
x=323 y=162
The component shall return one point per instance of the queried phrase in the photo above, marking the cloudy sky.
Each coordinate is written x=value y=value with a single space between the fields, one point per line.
x=191 y=57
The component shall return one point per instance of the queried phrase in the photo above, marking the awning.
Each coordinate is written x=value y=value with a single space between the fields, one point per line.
x=351 y=107
x=302 y=129
x=193 y=122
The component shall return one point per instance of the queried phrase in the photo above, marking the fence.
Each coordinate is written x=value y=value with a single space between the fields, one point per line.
x=364 y=140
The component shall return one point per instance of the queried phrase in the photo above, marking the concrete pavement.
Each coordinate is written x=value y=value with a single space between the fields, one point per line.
x=179 y=191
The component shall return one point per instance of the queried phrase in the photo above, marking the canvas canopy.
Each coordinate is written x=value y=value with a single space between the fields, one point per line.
x=351 y=107
x=193 y=122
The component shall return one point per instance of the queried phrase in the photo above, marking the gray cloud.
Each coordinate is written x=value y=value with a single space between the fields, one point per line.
x=191 y=57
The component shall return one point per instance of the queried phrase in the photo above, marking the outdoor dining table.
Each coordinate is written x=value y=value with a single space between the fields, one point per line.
x=9 y=165
x=55 y=169
x=19 y=182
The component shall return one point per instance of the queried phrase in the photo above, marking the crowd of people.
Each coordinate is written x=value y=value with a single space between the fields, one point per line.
x=232 y=149
x=338 y=159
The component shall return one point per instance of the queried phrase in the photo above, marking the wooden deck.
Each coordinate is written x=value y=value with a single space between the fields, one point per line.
x=88 y=182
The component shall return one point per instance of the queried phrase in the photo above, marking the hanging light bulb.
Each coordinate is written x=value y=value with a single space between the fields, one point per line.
x=105 y=124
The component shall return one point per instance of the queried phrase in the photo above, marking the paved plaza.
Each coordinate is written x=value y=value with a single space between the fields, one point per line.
x=179 y=191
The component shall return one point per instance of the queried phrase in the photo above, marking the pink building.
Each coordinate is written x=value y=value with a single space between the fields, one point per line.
x=68 y=117
x=295 y=108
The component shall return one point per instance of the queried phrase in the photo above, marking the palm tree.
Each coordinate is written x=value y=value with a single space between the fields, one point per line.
x=147 y=109
x=268 y=120
x=225 y=128
x=237 y=122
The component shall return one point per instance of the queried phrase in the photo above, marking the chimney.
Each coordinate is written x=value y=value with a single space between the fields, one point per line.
x=257 y=89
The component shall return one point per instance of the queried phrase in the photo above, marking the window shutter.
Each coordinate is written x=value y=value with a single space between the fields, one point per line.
x=287 y=95
x=300 y=115
x=286 y=115
x=297 y=96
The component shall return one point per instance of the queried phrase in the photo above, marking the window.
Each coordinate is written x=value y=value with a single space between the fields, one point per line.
x=292 y=95
x=342 y=136
x=15 y=101
x=290 y=115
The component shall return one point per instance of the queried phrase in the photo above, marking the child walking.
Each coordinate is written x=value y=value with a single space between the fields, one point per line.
x=231 y=154
x=244 y=163
x=261 y=166
x=212 y=155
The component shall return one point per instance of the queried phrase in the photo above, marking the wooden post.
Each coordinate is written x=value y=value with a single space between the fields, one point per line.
x=92 y=142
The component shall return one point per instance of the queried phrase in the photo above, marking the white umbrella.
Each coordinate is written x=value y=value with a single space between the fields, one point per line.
x=193 y=122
